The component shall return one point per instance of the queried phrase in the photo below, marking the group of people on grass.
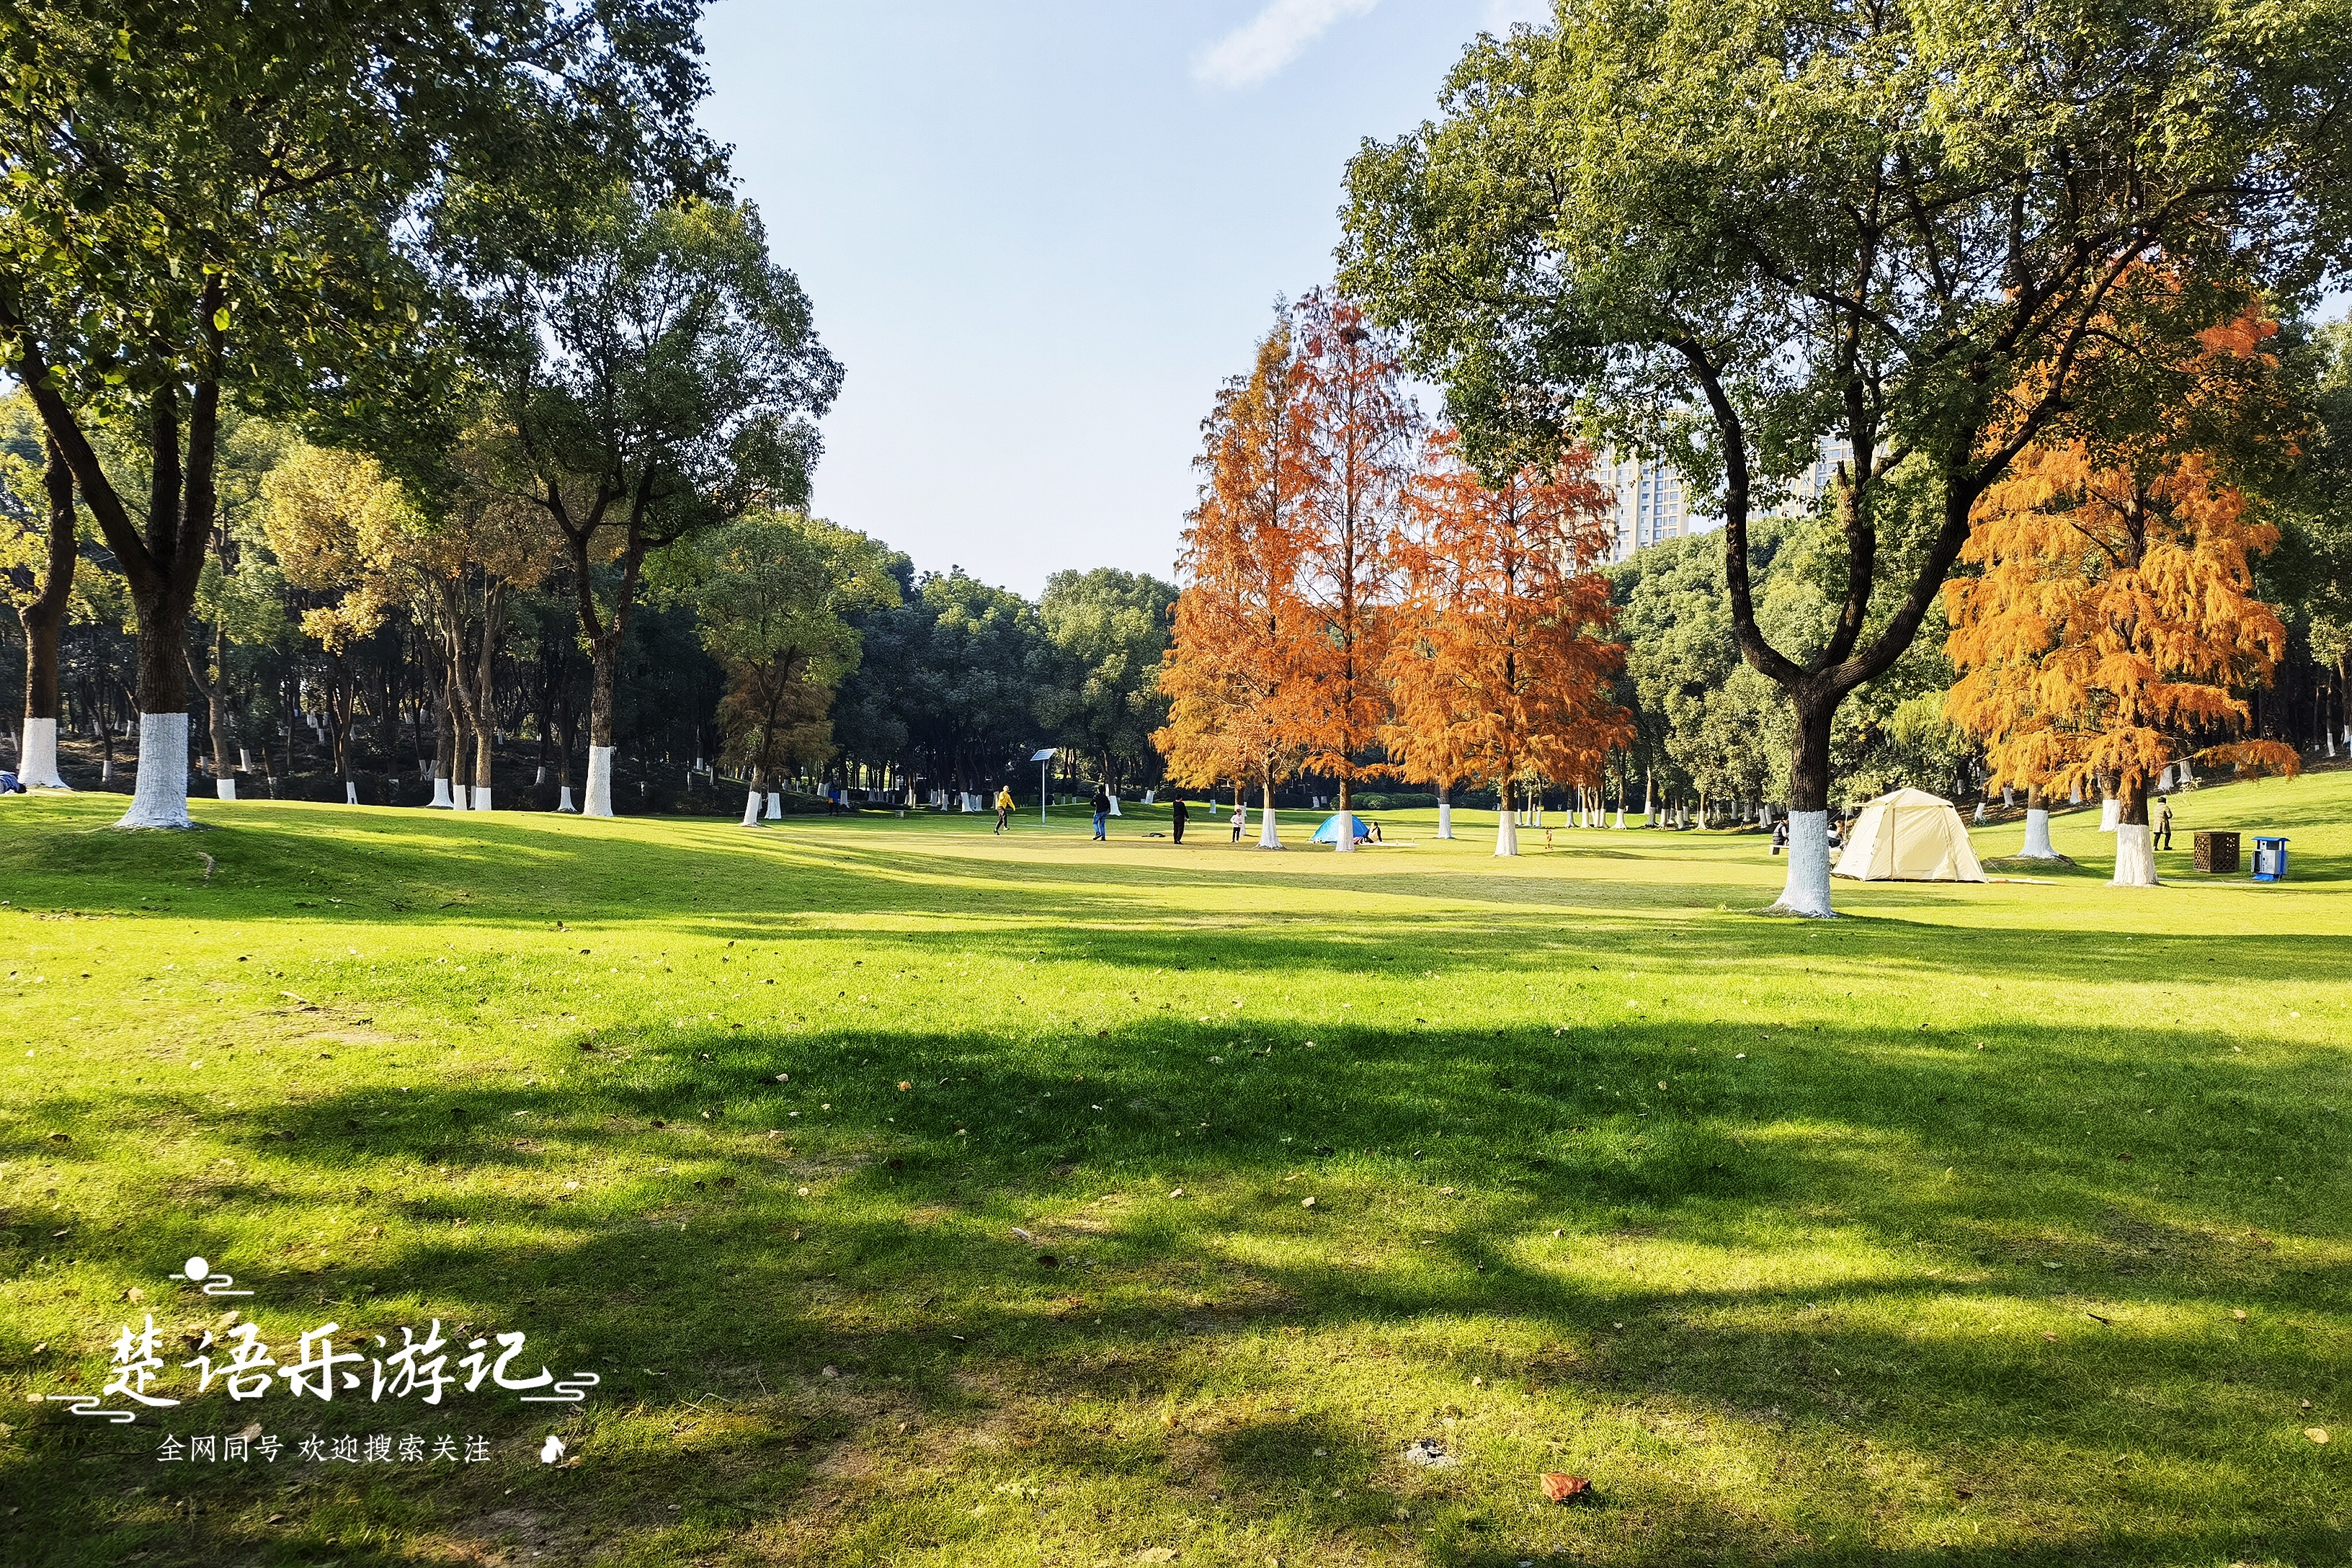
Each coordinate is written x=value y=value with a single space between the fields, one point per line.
x=1179 y=814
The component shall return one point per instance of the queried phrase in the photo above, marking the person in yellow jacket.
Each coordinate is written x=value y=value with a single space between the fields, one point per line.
x=1003 y=807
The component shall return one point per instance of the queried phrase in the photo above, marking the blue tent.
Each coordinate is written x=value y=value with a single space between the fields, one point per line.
x=1330 y=832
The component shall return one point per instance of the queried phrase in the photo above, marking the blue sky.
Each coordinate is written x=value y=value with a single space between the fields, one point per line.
x=1039 y=235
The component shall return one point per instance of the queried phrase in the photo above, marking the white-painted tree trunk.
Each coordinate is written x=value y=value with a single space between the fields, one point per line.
x=1980 y=811
x=1150 y=797
x=539 y=776
x=2008 y=797
x=1269 y=836
x=2037 y=836
x=775 y=806
x=224 y=789
x=1807 y=890
x=441 y=801
x=2074 y=795
x=1446 y=819
x=752 y=809
x=599 y=799
x=160 y=797
x=563 y=802
x=1621 y=816
x=244 y=761
x=2135 y=857
x=481 y=797
x=2110 y=813
x=106 y=770
x=1506 y=834
x=1114 y=803
x=37 y=753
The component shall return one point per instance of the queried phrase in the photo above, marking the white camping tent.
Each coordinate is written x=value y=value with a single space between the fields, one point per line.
x=1909 y=836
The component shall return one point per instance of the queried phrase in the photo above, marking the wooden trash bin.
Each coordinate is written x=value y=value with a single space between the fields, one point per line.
x=2217 y=853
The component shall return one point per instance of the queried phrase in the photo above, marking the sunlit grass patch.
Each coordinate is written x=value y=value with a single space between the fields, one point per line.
x=1921 y=1233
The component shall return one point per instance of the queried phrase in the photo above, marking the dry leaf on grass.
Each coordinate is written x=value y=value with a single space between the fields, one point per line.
x=2317 y=1434
x=1557 y=1487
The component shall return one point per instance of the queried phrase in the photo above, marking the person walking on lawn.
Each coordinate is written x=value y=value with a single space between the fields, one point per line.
x=1176 y=815
x=1003 y=807
x=2159 y=836
x=1102 y=811
x=1240 y=820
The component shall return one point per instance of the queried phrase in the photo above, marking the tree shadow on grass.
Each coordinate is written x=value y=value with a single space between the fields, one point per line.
x=1740 y=1288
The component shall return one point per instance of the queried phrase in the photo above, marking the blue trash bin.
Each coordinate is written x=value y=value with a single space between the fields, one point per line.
x=2270 y=859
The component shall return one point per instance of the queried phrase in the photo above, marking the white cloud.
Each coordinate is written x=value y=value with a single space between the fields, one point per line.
x=1271 y=40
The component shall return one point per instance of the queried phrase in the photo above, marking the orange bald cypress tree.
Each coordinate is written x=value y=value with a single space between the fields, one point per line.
x=1358 y=432
x=1239 y=613
x=2114 y=626
x=1502 y=659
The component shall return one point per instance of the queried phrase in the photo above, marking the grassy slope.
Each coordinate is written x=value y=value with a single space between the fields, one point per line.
x=1789 y=1234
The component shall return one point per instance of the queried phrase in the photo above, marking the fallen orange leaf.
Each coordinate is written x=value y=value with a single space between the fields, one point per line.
x=1557 y=1487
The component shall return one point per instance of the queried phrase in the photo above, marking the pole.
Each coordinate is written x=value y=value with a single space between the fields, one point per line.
x=1041 y=790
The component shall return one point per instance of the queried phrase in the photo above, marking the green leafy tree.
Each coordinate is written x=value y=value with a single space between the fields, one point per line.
x=661 y=376
x=949 y=685
x=38 y=547
x=1109 y=632
x=2309 y=576
x=1729 y=230
x=214 y=206
x=773 y=592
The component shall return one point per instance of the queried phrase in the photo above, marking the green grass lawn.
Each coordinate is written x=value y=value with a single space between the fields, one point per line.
x=2008 y=1223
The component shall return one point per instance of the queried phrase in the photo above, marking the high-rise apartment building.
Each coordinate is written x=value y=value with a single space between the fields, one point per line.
x=1652 y=504
x=1809 y=487
x=1651 y=501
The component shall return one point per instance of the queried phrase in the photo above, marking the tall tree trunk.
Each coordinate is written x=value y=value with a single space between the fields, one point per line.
x=1347 y=839
x=1807 y=890
x=1269 y=836
x=1445 y=809
x=445 y=742
x=605 y=655
x=567 y=727
x=162 y=565
x=2134 y=851
x=481 y=696
x=1506 y=825
x=44 y=618
x=2037 y=827
x=211 y=681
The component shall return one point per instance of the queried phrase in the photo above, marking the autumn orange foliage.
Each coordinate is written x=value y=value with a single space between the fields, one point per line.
x=2114 y=624
x=1239 y=619
x=1358 y=434
x=1501 y=661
